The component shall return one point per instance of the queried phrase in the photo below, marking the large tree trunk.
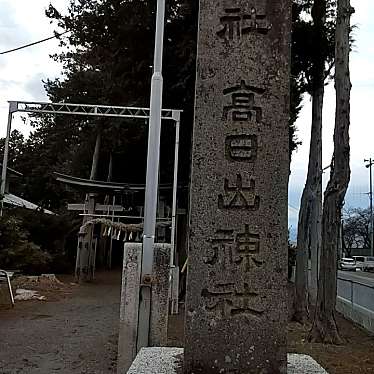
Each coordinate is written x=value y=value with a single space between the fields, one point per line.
x=324 y=325
x=110 y=168
x=96 y=155
x=85 y=264
x=301 y=311
x=318 y=79
x=316 y=210
x=309 y=225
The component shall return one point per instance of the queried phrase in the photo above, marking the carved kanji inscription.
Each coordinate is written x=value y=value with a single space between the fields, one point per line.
x=232 y=300
x=236 y=23
x=230 y=250
x=243 y=106
x=241 y=148
x=239 y=196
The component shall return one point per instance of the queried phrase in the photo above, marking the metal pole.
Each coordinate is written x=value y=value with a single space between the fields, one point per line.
x=371 y=205
x=111 y=237
x=174 y=270
x=371 y=210
x=175 y=189
x=150 y=203
x=12 y=109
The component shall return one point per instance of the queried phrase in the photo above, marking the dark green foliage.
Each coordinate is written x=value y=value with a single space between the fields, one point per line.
x=47 y=231
x=16 y=251
x=312 y=42
x=107 y=58
x=109 y=61
x=312 y=45
x=291 y=259
x=55 y=235
x=34 y=242
x=16 y=147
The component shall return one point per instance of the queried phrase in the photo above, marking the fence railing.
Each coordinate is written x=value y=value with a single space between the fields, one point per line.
x=356 y=301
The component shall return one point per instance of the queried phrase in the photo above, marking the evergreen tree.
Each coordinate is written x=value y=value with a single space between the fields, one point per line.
x=107 y=58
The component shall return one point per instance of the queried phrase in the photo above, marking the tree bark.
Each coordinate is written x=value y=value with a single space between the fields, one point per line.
x=96 y=155
x=309 y=225
x=324 y=325
x=316 y=210
x=87 y=260
x=110 y=168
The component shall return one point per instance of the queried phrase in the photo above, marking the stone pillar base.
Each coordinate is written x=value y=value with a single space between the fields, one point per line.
x=174 y=290
x=129 y=307
x=170 y=361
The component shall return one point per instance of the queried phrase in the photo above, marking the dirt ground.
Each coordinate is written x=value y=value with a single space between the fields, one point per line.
x=354 y=356
x=75 y=332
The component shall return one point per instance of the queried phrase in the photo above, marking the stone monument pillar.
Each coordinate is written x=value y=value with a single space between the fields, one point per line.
x=236 y=293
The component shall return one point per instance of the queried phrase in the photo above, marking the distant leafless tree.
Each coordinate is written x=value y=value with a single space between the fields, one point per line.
x=356 y=228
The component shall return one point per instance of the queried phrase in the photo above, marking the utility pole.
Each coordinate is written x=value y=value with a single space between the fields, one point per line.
x=12 y=109
x=369 y=165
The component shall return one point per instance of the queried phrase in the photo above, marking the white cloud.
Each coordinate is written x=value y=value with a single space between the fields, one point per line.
x=22 y=71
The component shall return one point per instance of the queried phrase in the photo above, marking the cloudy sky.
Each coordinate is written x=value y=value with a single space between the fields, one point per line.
x=21 y=73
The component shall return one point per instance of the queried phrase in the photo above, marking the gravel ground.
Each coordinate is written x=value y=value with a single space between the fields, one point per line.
x=75 y=332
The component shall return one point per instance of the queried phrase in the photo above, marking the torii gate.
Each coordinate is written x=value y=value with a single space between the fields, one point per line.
x=96 y=111
x=92 y=210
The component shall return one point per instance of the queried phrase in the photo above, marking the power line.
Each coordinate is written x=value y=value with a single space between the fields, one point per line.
x=34 y=43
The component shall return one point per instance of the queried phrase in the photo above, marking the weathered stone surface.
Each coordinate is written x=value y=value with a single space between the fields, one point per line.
x=163 y=360
x=298 y=363
x=174 y=290
x=158 y=335
x=157 y=360
x=129 y=307
x=236 y=293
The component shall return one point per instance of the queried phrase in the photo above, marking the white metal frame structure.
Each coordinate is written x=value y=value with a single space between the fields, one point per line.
x=155 y=114
x=97 y=111
x=6 y=275
x=88 y=110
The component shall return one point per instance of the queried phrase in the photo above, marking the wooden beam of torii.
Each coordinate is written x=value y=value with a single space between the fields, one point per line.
x=98 y=208
x=91 y=185
x=97 y=186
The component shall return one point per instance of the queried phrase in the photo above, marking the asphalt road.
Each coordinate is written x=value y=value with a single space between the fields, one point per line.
x=358 y=276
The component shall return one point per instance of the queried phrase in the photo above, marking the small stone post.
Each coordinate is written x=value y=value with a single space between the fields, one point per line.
x=237 y=267
x=129 y=308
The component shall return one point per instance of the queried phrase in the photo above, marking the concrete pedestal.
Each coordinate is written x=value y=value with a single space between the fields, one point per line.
x=170 y=361
x=129 y=308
